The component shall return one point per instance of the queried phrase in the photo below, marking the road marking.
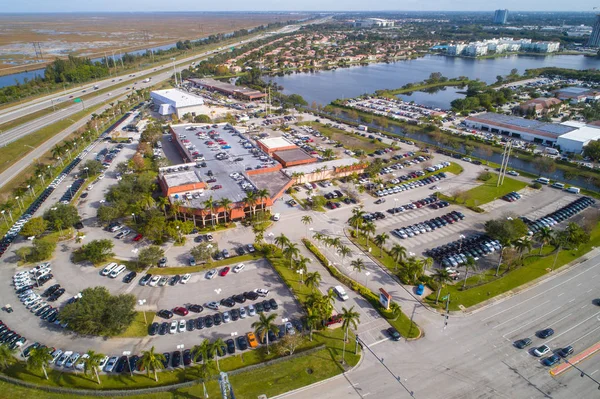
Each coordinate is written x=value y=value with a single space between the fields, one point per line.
x=595 y=275
x=583 y=306
x=365 y=394
x=583 y=336
x=571 y=300
x=575 y=326
x=560 y=320
x=532 y=321
x=561 y=294
x=589 y=290
x=519 y=315
x=593 y=372
x=578 y=284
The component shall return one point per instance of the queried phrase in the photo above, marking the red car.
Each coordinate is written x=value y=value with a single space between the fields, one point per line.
x=138 y=237
x=181 y=311
x=224 y=271
x=216 y=187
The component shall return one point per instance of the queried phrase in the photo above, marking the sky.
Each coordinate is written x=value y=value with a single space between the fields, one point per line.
x=33 y=6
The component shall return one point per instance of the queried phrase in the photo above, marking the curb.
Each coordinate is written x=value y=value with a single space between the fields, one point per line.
x=575 y=360
x=319 y=383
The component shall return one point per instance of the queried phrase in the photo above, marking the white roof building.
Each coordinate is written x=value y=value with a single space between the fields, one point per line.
x=575 y=140
x=175 y=101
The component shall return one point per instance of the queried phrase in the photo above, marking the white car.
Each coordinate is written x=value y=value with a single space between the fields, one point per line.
x=79 y=365
x=181 y=325
x=541 y=351
x=185 y=278
x=213 y=305
x=262 y=292
x=243 y=313
x=251 y=310
x=63 y=358
x=72 y=360
x=55 y=355
x=238 y=268
x=226 y=317
x=211 y=274
x=103 y=363
x=173 y=327
x=512 y=173
x=154 y=281
x=109 y=268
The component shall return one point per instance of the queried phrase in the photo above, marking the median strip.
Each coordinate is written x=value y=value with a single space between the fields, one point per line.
x=575 y=360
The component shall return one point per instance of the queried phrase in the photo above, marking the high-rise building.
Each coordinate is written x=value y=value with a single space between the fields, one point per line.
x=500 y=17
x=594 y=40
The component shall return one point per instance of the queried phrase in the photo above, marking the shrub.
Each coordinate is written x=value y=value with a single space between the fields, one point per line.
x=476 y=209
x=536 y=185
x=485 y=176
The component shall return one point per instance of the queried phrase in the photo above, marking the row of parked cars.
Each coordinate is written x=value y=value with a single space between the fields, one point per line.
x=544 y=349
x=409 y=186
x=560 y=215
x=456 y=253
x=429 y=225
x=10 y=337
x=161 y=281
x=512 y=196
x=71 y=191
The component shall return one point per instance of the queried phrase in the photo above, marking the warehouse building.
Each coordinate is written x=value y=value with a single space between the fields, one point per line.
x=227 y=89
x=577 y=139
x=577 y=95
x=178 y=102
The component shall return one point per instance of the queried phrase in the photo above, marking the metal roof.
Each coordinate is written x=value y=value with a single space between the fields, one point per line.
x=526 y=125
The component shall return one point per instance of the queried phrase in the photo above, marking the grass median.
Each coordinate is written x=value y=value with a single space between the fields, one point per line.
x=350 y=140
x=171 y=271
x=139 y=326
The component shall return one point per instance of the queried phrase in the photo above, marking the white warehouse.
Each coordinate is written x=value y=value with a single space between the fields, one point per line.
x=178 y=102
x=577 y=139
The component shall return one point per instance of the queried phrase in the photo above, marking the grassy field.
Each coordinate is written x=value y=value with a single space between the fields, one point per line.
x=170 y=271
x=350 y=141
x=534 y=267
x=139 y=327
x=488 y=192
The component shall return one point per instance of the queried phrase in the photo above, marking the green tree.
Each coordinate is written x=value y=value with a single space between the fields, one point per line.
x=217 y=347
x=368 y=228
x=307 y=221
x=150 y=256
x=93 y=167
x=155 y=229
x=313 y=280
x=38 y=359
x=358 y=265
x=282 y=241
x=312 y=320
x=151 y=360
x=60 y=216
x=264 y=325
x=202 y=252
x=108 y=213
x=544 y=165
x=399 y=253
x=98 y=312
x=440 y=276
x=7 y=355
x=350 y=318
x=592 y=150
x=91 y=363
x=34 y=227
x=380 y=240
x=543 y=236
x=344 y=252
x=469 y=265
x=506 y=229
x=96 y=251
x=291 y=252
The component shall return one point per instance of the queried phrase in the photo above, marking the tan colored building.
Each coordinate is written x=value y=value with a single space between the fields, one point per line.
x=541 y=105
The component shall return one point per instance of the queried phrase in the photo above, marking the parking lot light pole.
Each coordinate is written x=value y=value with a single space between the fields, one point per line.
x=367 y=274
x=127 y=354
x=87 y=171
x=134 y=219
x=142 y=302
x=42 y=177
x=19 y=202
x=20 y=345
x=4 y=214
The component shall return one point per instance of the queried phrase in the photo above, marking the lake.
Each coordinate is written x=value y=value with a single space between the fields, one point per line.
x=326 y=86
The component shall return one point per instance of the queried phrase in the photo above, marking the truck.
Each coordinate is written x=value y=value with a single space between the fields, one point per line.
x=146 y=80
x=96 y=87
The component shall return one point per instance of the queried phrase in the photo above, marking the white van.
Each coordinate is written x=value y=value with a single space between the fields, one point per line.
x=558 y=185
x=117 y=271
x=339 y=290
x=573 y=190
x=543 y=180
x=109 y=268
x=276 y=217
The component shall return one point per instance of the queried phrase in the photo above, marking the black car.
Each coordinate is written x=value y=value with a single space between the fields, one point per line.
x=165 y=362
x=273 y=304
x=165 y=314
x=56 y=295
x=133 y=361
x=242 y=343
x=217 y=319
x=187 y=357
x=120 y=366
x=266 y=305
x=176 y=362
x=259 y=307
x=164 y=328
x=208 y=321
x=522 y=343
x=240 y=251
x=175 y=279
x=394 y=334
x=195 y=308
x=230 y=346
x=545 y=333
x=144 y=280
x=235 y=314
x=566 y=351
x=43 y=309
x=191 y=325
x=129 y=277
x=50 y=290
x=153 y=329
x=229 y=302
x=240 y=298
x=23 y=289
x=51 y=316
x=199 y=323
x=44 y=279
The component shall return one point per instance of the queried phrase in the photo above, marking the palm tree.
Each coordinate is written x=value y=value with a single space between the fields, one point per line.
x=301 y=267
x=543 y=236
x=39 y=358
x=152 y=360
x=6 y=354
x=415 y=267
x=469 y=265
x=146 y=201
x=217 y=347
x=440 y=276
x=282 y=241
x=210 y=204
x=264 y=325
x=380 y=240
x=522 y=246
x=344 y=251
x=313 y=280
x=291 y=251
x=306 y=220
x=162 y=204
x=226 y=204
x=91 y=363
x=250 y=200
x=328 y=153
x=262 y=196
x=312 y=319
x=399 y=253
x=368 y=228
x=205 y=372
x=57 y=151
x=349 y=318
x=357 y=265
x=357 y=219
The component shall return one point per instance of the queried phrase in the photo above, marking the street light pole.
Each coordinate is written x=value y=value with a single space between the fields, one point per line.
x=367 y=274
x=42 y=177
x=3 y=212
x=19 y=202
x=141 y=302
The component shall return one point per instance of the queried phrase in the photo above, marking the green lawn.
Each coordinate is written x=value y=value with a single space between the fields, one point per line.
x=487 y=192
x=350 y=141
x=139 y=327
x=534 y=266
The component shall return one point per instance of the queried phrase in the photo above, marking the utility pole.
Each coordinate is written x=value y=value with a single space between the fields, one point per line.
x=507 y=159
x=504 y=165
x=226 y=388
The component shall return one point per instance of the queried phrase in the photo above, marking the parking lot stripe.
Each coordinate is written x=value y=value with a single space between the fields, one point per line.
x=575 y=326
x=583 y=336
x=532 y=321
x=521 y=314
